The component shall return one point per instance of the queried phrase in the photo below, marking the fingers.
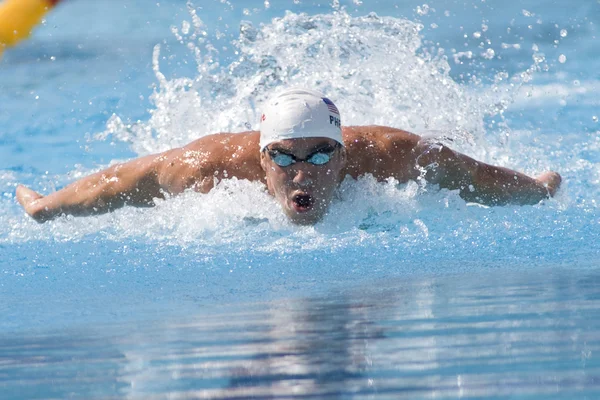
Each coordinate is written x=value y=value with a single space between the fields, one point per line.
x=25 y=195
x=28 y=199
x=551 y=180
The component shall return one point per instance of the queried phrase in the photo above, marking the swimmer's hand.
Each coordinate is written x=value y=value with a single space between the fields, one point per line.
x=29 y=200
x=550 y=180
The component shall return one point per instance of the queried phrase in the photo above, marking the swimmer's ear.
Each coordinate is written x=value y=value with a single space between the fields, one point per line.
x=263 y=160
x=343 y=155
x=343 y=159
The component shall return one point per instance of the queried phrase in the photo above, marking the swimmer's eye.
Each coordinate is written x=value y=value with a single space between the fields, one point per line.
x=282 y=159
x=319 y=157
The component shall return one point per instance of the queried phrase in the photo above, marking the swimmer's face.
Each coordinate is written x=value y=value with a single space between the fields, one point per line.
x=302 y=174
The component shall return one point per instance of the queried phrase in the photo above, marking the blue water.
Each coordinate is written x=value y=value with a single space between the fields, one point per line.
x=403 y=291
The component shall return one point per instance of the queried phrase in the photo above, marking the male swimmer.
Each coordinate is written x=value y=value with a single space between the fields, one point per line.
x=301 y=154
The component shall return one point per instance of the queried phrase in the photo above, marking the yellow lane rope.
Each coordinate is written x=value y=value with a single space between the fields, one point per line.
x=19 y=17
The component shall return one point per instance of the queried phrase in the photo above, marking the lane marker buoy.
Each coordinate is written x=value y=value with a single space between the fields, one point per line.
x=19 y=17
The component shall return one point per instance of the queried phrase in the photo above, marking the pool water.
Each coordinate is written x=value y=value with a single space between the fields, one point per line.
x=402 y=291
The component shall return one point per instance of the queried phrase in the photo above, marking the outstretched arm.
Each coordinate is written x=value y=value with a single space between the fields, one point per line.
x=133 y=183
x=480 y=182
x=140 y=181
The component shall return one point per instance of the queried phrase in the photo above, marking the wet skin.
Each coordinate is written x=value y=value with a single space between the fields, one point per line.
x=383 y=152
x=304 y=190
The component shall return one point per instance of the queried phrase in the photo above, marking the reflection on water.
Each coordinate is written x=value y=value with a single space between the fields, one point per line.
x=517 y=335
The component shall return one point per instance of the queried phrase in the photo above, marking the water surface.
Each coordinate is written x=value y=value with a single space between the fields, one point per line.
x=403 y=291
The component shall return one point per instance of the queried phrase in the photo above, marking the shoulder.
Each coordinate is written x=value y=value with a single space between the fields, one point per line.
x=208 y=156
x=379 y=150
x=220 y=147
x=380 y=137
x=225 y=141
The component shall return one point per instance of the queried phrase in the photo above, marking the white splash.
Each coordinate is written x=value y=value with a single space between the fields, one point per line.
x=373 y=67
x=377 y=72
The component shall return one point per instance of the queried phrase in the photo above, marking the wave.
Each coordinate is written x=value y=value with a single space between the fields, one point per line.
x=378 y=72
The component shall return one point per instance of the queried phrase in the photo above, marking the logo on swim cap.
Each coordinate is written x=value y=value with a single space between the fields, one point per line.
x=330 y=106
x=300 y=113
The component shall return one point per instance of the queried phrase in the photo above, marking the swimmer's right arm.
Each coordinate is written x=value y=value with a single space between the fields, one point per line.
x=132 y=183
x=135 y=183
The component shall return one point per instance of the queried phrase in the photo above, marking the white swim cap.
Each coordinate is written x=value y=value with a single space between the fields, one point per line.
x=299 y=113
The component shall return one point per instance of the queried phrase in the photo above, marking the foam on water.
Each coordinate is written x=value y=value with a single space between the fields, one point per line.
x=374 y=67
x=378 y=72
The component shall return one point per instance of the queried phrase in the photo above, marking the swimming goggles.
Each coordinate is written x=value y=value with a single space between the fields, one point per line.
x=318 y=157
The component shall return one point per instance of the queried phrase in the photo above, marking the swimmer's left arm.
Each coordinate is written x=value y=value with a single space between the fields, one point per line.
x=480 y=182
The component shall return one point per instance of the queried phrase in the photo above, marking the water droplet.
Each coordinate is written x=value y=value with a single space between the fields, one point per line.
x=423 y=10
x=489 y=54
x=563 y=33
x=595 y=118
x=248 y=31
x=476 y=35
x=185 y=27
x=246 y=12
x=267 y=4
x=562 y=59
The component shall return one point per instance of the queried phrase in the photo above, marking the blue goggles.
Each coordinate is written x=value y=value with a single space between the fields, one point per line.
x=318 y=157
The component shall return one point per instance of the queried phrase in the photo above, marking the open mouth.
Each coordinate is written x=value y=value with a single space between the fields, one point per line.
x=302 y=202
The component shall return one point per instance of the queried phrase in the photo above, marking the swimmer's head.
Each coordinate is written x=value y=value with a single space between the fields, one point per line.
x=302 y=153
x=299 y=113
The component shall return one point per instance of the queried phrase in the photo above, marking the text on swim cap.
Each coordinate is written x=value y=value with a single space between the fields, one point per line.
x=335 y=120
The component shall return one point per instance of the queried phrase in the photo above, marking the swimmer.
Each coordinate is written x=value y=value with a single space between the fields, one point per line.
x=301 y=153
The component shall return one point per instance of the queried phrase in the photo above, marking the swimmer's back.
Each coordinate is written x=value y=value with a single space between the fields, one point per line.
x=378 y=150
x=381 y=151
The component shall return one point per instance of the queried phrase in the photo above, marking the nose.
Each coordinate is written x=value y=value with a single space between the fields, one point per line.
x=302 y=178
